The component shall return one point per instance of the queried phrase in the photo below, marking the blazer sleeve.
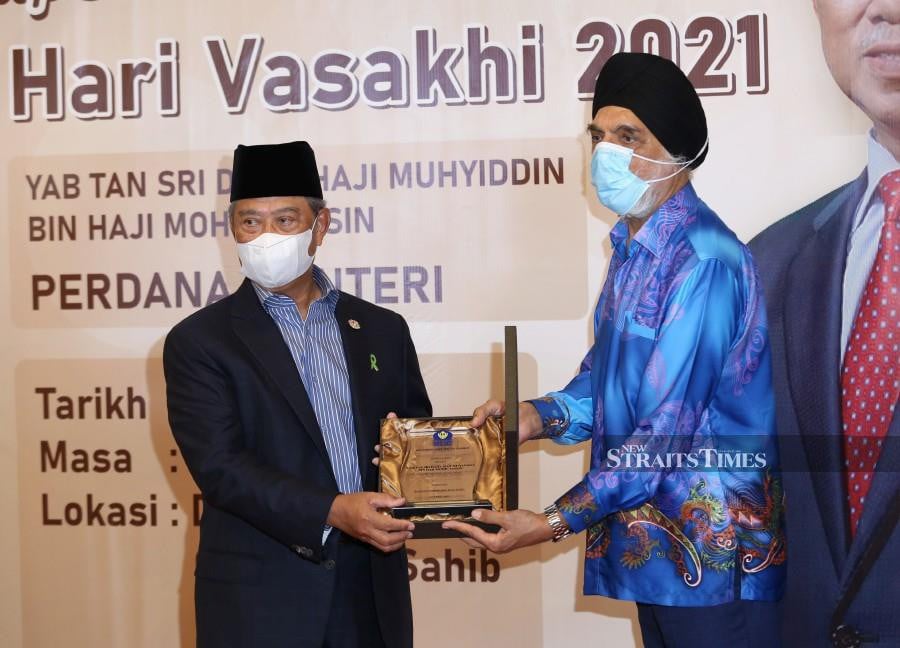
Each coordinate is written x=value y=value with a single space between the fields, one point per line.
x=415 y=397
x=208 y=431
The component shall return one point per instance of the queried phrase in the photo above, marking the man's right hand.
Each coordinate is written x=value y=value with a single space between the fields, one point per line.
x=359 y=515
x=530 y=424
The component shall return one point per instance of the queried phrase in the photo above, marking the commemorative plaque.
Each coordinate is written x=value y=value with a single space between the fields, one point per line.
x=445 y=468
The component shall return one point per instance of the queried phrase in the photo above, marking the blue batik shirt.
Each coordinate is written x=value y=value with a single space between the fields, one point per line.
x=683 y=502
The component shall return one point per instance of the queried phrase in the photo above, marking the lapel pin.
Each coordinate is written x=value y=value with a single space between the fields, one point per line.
x=373 y=362
x=354 y=324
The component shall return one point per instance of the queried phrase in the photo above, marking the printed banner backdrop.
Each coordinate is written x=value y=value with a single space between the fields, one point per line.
x=453 y=153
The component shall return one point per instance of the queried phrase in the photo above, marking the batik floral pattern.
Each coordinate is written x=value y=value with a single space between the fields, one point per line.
x=680 y=368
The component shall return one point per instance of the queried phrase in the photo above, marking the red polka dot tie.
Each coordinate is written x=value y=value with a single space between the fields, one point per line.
x=870 y=382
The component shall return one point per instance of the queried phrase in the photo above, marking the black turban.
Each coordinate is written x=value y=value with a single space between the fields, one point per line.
x=267 y=170
x=662 y=97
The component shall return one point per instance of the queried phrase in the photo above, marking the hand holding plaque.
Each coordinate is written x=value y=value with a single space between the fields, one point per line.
x=445 y=468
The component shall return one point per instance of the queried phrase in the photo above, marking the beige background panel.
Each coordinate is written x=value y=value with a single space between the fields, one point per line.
x=89 y=585
x=769 y=154
x=150 y=234
x=122 y=251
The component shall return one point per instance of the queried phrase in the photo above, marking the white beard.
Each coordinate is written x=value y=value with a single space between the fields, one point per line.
x=645 y=205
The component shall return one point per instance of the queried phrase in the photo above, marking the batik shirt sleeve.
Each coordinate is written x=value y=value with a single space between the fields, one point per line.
x=566 y=414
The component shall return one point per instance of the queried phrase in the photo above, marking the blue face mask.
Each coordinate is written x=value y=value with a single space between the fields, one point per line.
x=617 y=187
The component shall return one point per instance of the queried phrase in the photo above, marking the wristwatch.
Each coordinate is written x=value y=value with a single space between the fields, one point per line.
x=556 y=521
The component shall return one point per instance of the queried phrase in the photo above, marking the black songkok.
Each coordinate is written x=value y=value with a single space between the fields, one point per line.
x=267 y=170
x=662 y=97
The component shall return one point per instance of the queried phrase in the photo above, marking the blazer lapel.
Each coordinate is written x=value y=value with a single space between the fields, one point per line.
x=261 y=336
x=359 y=367
x=812 y=329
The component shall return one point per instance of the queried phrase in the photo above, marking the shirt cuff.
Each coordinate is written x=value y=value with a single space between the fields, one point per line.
x=578 y=507
x=554 y=417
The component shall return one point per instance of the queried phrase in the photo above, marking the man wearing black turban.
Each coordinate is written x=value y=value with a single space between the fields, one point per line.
x=682 y=506
x=275 y=395
x=661 y=96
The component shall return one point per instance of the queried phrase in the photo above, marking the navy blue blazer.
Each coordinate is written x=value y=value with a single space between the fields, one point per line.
x=801 y=261
x=249 y=435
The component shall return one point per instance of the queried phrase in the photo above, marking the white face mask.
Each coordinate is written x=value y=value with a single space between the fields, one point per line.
x=275 y=260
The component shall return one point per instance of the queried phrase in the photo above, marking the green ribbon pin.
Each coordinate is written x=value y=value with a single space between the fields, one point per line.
x=373 y=362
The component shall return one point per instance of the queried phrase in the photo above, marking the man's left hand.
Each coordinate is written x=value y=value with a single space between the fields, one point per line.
x=519 y=528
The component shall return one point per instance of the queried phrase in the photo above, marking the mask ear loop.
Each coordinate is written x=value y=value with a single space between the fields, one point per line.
x=688 y=163
x=683 y=165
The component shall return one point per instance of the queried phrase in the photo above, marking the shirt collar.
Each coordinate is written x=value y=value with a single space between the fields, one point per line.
x=272 y=302
x=658 y=229
x=881 y=163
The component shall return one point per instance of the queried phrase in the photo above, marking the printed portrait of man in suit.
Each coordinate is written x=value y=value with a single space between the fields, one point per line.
x=832 y=275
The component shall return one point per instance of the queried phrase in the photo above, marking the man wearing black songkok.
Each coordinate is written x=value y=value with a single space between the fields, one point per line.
x=675 y=394
x=274 y=396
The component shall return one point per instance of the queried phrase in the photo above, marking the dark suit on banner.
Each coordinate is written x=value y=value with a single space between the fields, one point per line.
x=249 y=435
x=802 y=261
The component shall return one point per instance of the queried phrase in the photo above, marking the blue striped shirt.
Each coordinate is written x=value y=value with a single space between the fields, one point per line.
x=318 y=353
